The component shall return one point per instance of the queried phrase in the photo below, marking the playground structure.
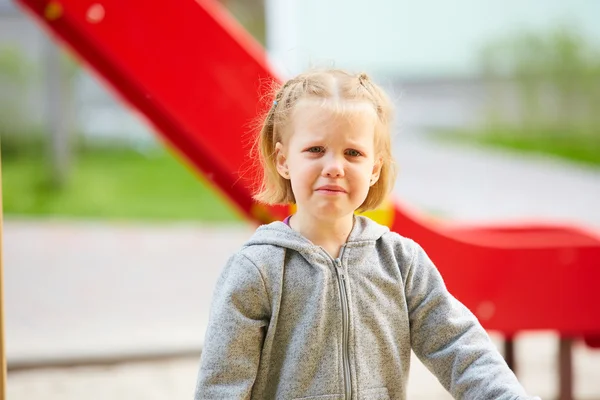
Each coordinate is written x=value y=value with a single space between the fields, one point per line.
x=200 y=80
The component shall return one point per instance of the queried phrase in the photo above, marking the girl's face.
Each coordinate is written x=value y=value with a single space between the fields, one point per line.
x=330 y=160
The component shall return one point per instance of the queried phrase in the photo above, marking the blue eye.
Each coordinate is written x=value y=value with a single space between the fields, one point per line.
x=315 y=149
x=353 y=153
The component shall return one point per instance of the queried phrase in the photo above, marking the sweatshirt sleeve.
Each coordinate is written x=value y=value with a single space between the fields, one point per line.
x=449 y=340
x=239 y=317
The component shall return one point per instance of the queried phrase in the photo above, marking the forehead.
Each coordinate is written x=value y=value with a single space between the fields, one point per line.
x=329 y=120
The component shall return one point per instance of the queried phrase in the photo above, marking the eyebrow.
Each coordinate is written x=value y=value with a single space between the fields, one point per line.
x=355 y=143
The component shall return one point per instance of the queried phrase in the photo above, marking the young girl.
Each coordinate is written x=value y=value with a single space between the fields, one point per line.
x=328 y=305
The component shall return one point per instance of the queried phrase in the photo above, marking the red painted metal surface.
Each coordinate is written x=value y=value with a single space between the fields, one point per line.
x=199 y=79
x=517 y=277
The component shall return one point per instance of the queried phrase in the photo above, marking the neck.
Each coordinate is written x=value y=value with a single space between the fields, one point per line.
x=329 y=234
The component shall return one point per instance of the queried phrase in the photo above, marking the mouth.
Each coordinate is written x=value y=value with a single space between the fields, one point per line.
x=331 y=189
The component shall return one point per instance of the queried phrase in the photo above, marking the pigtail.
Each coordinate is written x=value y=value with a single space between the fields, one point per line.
x=375 y=95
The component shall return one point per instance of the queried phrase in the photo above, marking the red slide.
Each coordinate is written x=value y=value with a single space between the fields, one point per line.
x=199 y=77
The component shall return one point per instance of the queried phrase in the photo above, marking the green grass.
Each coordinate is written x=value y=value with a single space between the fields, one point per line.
x=580 y=147
x=110 y=184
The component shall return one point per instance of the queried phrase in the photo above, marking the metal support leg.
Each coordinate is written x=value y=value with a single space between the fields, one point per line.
x=565 y=367
x=509 y=353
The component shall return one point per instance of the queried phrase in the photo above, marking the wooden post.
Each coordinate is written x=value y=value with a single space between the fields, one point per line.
x=2 y=348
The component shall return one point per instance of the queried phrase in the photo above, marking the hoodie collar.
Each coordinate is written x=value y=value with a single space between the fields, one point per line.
x=279 y=234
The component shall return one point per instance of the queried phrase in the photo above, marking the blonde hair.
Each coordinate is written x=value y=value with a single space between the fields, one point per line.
x=329 y=84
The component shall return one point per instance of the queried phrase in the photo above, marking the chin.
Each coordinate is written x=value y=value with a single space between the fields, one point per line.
x=330 y=213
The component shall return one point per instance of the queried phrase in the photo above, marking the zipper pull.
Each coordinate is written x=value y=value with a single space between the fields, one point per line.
x=338 y=264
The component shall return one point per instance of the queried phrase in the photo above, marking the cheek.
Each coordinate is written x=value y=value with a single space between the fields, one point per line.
x=362 y=181
x=303 y=177
x=362 y=173
x=300 y=177
x=304 y=168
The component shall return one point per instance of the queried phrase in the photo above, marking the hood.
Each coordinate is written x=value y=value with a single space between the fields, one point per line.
x=279 y=234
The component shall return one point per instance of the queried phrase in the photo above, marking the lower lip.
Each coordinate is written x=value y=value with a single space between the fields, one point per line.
x=330 y=192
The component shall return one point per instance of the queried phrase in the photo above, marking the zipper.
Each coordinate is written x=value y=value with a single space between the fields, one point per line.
x=345 y=322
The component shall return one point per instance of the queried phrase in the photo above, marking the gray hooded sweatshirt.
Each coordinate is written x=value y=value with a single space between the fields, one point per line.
x=288 y=321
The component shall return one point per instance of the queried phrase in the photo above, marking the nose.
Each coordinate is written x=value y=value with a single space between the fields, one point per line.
x=333 y=168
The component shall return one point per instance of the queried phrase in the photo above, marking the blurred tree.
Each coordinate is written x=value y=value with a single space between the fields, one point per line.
x=59 y=72
x=251 y=14
x=557 y=77
x=21 y=131
x=15 y=79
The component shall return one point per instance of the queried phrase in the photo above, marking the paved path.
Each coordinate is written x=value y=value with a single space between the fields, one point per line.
x=482 y=185
x=77 y=290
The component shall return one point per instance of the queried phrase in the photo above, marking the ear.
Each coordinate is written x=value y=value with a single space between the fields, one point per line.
x=376 y=171
x=281 y=161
